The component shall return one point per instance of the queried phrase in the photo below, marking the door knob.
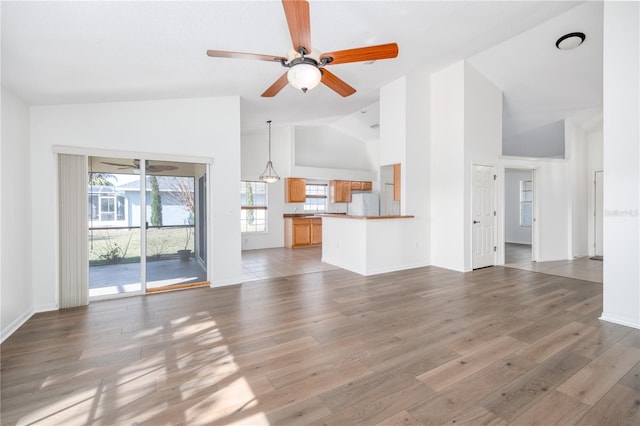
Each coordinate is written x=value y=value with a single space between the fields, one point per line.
x=476 y=221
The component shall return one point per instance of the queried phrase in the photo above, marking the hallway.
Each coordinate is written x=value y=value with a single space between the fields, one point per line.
x=518 y=256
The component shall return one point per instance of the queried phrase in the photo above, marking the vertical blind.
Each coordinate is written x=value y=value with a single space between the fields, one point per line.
x=73 y=246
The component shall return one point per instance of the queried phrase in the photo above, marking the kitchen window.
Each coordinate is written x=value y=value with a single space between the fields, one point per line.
x=253 y=206
x=316 y=200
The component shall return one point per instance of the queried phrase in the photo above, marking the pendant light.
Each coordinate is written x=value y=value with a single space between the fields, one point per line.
x=269 y=175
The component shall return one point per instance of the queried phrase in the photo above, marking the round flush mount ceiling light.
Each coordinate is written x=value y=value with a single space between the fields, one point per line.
x=570 y=41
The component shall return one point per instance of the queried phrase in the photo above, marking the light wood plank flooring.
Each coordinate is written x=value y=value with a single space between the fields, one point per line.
x=583 y=268
x=425 y=346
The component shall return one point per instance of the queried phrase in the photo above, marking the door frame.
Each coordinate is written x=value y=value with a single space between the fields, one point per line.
x=595 y=212
x=535 y=225
x=97 y=152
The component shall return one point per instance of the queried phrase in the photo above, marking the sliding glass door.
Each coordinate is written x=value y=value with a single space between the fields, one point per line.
x=175 y=217
x=142 y=237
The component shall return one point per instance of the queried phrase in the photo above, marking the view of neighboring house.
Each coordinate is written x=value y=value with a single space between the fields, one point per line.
x=119 y=205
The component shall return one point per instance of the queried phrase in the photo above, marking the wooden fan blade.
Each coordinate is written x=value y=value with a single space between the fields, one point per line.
x=241 y=55
x=297 y=14
x=370 y=53
x=276 y=87
x=336 y=84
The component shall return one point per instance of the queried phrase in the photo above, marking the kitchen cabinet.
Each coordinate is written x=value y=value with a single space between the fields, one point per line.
x=295 y=190
x=302 y=232
x=358 y=185
x=340 y=190
x=316 y=232
x=396 y=182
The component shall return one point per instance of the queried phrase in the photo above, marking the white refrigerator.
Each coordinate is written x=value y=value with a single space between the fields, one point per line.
x=364 y=204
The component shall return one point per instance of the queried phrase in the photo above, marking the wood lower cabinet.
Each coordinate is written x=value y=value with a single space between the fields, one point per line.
x=316 y=232
x=302 y=232
x=295 y=190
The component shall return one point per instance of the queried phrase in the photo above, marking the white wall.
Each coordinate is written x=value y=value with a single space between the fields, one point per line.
x=393 y=115
x=325 y=147
x=554 y=216
x=546 y=141
x=482 y=139
x=513 y=232
x=404 y=138
x=416 y=172
x=16 y=291
x=594 y=163
x=447 y=168
x=203 y=128
x=466 y=129
x=576 y=145
x=621 y=109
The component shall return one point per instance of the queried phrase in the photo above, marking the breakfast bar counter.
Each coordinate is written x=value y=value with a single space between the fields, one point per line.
x=370 y=245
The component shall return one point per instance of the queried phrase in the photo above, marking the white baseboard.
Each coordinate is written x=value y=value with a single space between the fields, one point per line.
x=620 y=321
x=47 y=308
x=376 y=271
x=16 y=324
x=223 y=283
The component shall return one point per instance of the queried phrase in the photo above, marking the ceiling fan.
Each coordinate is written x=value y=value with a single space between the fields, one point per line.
x=153 y=168
x=306 y=66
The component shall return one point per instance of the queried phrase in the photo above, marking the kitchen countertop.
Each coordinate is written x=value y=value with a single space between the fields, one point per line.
x=346 y=216
x=308 y=215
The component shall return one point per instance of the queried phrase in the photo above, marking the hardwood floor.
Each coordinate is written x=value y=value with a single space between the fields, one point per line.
x=583 y=268
x=425 y=346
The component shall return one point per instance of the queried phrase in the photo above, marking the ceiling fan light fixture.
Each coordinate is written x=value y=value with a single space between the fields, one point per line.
x=570 y=41
x=304 y=76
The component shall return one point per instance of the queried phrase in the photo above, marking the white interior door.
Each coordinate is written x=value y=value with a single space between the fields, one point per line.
x=598 y=212
x=483 y=216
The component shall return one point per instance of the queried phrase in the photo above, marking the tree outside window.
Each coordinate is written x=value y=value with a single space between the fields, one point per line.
x=253 y=206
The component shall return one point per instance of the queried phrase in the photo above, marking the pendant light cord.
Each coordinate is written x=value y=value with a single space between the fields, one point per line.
x=269 y=123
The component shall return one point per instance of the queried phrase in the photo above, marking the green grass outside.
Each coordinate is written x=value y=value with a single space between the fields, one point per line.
x=123 y=245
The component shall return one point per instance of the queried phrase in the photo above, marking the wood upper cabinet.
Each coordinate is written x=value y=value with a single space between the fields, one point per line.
x=340 y=191
x=295 y=190
x=302 y=232
x=397 y=187
x=359 y=185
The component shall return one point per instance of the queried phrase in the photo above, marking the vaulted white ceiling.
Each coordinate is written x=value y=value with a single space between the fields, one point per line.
x=82 y=52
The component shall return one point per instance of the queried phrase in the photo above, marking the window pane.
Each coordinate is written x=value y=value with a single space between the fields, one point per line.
x=106 y=204
x=316 y=198
x=253 y=194
x=526 y=213
x=253 y=220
